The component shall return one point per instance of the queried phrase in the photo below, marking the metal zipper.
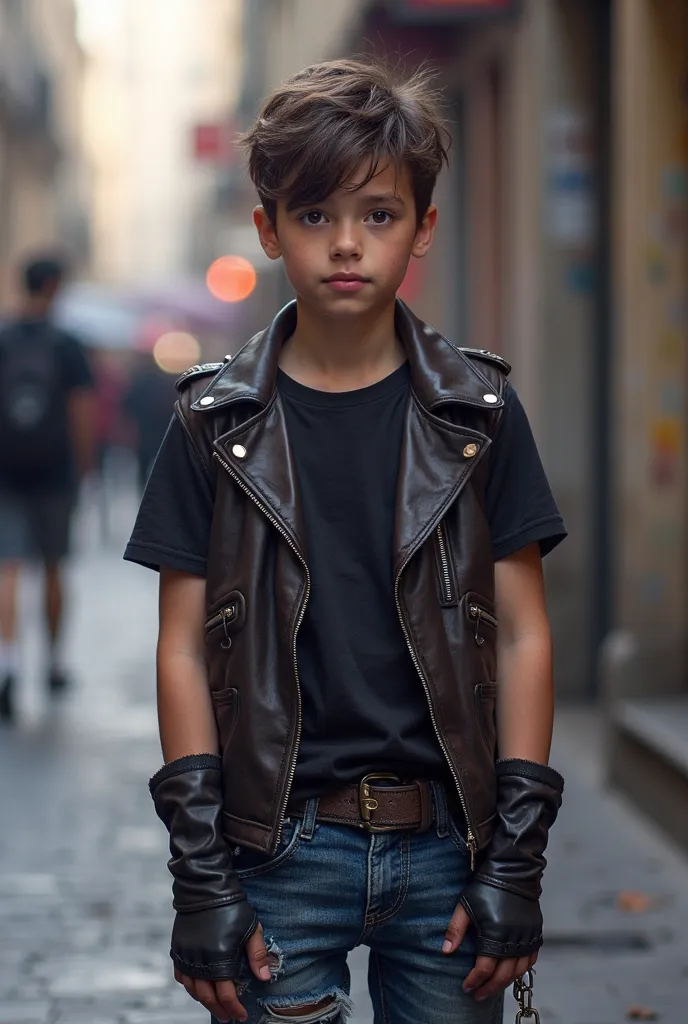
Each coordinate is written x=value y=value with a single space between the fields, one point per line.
x=478 y=614
x=470 y=836
x=225 y=615
x=223 y=618
x=302 y=611
x=446 y=571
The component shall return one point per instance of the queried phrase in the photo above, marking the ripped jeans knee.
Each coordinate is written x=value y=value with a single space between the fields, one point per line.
x=334 y=1008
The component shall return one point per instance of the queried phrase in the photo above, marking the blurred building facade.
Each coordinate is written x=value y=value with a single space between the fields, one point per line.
x=563 y=244
x=44 y=177
x=161 y=81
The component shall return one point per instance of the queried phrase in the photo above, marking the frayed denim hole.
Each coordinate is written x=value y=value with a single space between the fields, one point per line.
x=337 y=1012
x=275 y=957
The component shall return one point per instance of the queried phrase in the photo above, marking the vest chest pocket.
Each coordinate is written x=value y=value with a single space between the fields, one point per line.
x=447 y=589
x=225 y=704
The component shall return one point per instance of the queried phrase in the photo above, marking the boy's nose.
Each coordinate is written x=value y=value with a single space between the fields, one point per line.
x=345 y=244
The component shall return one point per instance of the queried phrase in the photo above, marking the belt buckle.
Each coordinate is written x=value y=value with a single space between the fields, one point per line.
x=368 y=803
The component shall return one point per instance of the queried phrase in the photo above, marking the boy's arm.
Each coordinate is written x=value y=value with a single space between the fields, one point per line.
x=525 y=691
x=214 y=923
x=185 y=711
x=502 y=898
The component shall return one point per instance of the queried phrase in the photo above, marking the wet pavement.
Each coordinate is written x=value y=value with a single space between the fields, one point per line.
x=84 y=893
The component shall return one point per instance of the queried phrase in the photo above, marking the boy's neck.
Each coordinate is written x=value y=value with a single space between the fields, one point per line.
x=342 y=355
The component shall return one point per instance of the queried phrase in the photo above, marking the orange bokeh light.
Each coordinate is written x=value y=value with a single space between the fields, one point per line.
x=175 y=350
x=231 y=278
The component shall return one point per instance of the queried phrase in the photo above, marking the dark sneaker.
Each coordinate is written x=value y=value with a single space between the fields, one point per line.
x=7 y=709
x=58 y=682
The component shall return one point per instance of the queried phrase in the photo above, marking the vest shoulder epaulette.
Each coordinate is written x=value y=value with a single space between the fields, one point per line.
x=488 y=357
x=199 y=370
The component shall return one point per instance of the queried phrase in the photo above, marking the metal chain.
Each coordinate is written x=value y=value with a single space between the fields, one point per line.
x=523 y=994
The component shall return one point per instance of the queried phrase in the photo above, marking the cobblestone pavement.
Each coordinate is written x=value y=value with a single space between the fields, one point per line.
x=84 y=894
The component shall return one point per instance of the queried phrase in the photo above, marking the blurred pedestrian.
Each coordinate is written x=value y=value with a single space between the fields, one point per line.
x=339 y=514
x=46 y=446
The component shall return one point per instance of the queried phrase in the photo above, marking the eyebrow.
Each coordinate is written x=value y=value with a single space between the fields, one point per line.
x=384 y=198
x=379 y=199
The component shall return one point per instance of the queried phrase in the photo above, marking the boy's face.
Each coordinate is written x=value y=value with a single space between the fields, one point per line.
x=347 y=255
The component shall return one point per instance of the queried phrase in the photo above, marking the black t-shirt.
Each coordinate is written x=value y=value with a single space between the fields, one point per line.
x=73 y=372
x=364 y=706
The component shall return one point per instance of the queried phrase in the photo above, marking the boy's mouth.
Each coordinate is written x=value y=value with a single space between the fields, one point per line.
x=346 y=282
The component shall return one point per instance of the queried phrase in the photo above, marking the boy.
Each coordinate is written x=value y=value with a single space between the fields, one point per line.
x=46 y=446
x=340 y=513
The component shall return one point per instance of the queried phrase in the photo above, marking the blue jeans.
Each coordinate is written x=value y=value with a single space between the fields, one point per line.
x=330 y=888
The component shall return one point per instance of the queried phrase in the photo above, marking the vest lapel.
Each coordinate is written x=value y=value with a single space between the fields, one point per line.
x=259 y=456
x=437 y=459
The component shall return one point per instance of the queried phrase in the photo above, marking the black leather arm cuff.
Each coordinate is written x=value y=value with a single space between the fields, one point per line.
x=189 y=763
x=502 y=897
x=530 y=770
x=506 y=925
x=214 y=919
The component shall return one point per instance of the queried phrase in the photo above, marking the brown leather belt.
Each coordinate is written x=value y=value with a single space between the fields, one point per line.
x=376 y=808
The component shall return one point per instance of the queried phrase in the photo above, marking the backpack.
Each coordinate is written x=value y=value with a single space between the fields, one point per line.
x=33 y=414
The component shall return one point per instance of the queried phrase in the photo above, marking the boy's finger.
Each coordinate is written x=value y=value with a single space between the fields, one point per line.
x=228 y=998
x=485 y=966
x=206 y=994
x=522 y=965
x=456 y=930
x=189 y=984
x=258 y=955
x=503 y=975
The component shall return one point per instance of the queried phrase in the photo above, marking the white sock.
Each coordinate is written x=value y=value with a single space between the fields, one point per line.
x=9 y=657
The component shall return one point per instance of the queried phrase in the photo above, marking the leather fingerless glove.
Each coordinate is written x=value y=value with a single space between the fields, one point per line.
x=214 y=919
x=502 y=897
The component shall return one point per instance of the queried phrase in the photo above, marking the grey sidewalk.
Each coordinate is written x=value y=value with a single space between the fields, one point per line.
x=84 y=894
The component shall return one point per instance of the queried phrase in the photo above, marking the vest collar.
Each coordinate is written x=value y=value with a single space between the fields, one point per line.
x=440 y=372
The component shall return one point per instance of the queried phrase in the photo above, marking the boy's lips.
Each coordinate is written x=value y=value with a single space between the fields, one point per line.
x=346 y=282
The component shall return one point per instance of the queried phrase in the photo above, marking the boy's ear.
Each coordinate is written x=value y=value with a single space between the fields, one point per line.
x=267 y=233
x=425 y=233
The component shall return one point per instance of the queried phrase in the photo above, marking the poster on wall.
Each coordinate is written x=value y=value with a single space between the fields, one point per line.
x=570 y=220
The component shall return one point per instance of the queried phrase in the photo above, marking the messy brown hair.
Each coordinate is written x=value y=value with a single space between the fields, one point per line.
x=317 y=128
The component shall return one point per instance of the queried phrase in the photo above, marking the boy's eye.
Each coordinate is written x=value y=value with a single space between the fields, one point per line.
x=312 y=217
x=380 y=217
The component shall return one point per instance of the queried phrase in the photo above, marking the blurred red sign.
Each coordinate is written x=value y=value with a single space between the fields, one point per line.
x=213 y=143
x=450 y=10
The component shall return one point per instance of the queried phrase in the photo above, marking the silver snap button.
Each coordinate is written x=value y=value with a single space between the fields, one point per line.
x=490 y=399
x=239 y=451
x=470 y=451
x=208 y=400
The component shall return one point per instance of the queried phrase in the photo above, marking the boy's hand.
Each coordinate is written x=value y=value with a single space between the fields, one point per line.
x=220 y=997
x=490 y=974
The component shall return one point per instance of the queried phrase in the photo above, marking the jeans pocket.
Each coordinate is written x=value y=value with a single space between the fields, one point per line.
x=250 y=863
x=456 y=833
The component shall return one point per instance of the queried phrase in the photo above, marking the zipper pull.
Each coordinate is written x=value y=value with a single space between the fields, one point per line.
x=476 y=614
x=472 y=849
x=226 y=616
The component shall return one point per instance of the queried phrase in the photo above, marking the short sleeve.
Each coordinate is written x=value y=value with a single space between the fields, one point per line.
x=520 y=506
x=172 y=528
x=77 y=369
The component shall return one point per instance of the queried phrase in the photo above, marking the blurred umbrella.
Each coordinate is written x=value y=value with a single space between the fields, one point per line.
x=99 y=317
x=190 y=300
